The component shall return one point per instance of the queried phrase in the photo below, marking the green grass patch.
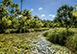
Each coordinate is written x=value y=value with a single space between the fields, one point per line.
x=16 y=43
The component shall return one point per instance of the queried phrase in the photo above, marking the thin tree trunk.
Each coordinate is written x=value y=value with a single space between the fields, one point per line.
x=67 y=29
x=21 y=6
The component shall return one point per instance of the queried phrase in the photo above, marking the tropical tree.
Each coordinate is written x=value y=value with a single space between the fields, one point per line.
x=36 y=17
x=21 y=4
x=3 y=11
x=64 y=15
x=75 y=12
x=7 y=22
x=27 y=13
x=6 y=2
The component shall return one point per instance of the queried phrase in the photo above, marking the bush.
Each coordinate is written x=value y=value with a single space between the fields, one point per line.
x=71 y=43
x=57 y=37
x=13 y=30
x=41 y=29
x=31 y=30
x=7 y=31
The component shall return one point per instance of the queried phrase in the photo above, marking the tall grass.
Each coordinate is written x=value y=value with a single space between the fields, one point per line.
x=59 y=36
x=16 y=43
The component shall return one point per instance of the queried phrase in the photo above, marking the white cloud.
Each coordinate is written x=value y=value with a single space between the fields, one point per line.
x=20 y=16
x=51 y=15
x=42 y=15
x=40 y=8
x=32 y=9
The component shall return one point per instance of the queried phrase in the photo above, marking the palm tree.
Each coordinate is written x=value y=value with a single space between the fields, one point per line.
x=75 y=12
x=27 y=13
x=21 y=4
x=36 y=17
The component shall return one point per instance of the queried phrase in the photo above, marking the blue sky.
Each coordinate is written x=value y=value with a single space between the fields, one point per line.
x=45 y=9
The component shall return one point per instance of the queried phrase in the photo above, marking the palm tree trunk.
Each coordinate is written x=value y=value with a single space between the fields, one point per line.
x=66 y=27
x=21 y=6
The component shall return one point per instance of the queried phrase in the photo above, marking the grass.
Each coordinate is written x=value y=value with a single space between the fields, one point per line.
x=59 y=36
x=16 y=43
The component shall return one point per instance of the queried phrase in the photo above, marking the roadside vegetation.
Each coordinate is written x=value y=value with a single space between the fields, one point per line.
x=19 y=27
x=59 y=36
x=17 y=43
x=67 y=35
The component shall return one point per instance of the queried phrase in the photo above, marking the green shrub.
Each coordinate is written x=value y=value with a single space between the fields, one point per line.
x=41 y=29
x=61 y=37
x=71 y=43
x=7 y=31
x=58 y=37
x=31 y=30
x=13 y=30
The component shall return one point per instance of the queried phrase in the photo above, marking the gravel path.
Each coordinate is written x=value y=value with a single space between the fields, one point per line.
x=43 y=46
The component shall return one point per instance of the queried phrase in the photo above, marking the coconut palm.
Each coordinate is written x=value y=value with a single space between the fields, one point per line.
x=21 y=4
x=36 y=17
x=75 y=12
x=27 y=13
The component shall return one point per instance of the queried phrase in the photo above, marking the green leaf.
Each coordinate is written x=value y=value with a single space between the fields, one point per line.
x=75 y=5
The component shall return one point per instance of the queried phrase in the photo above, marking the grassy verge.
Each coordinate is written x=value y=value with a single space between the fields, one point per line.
x=59 y=36
x=16 y=43
x=24 y=30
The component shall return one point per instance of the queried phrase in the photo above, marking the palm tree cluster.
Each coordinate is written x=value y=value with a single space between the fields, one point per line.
x=11 y=17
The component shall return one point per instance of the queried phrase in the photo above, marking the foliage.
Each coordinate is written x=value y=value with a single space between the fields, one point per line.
x=16 y=43
x=71 y=43
x=65 y=17
x=13 y=18
x=75 y=12
x=47 y=23
x=59 y=36
x=36 y=17
x=8 y=31
x=41 y=29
